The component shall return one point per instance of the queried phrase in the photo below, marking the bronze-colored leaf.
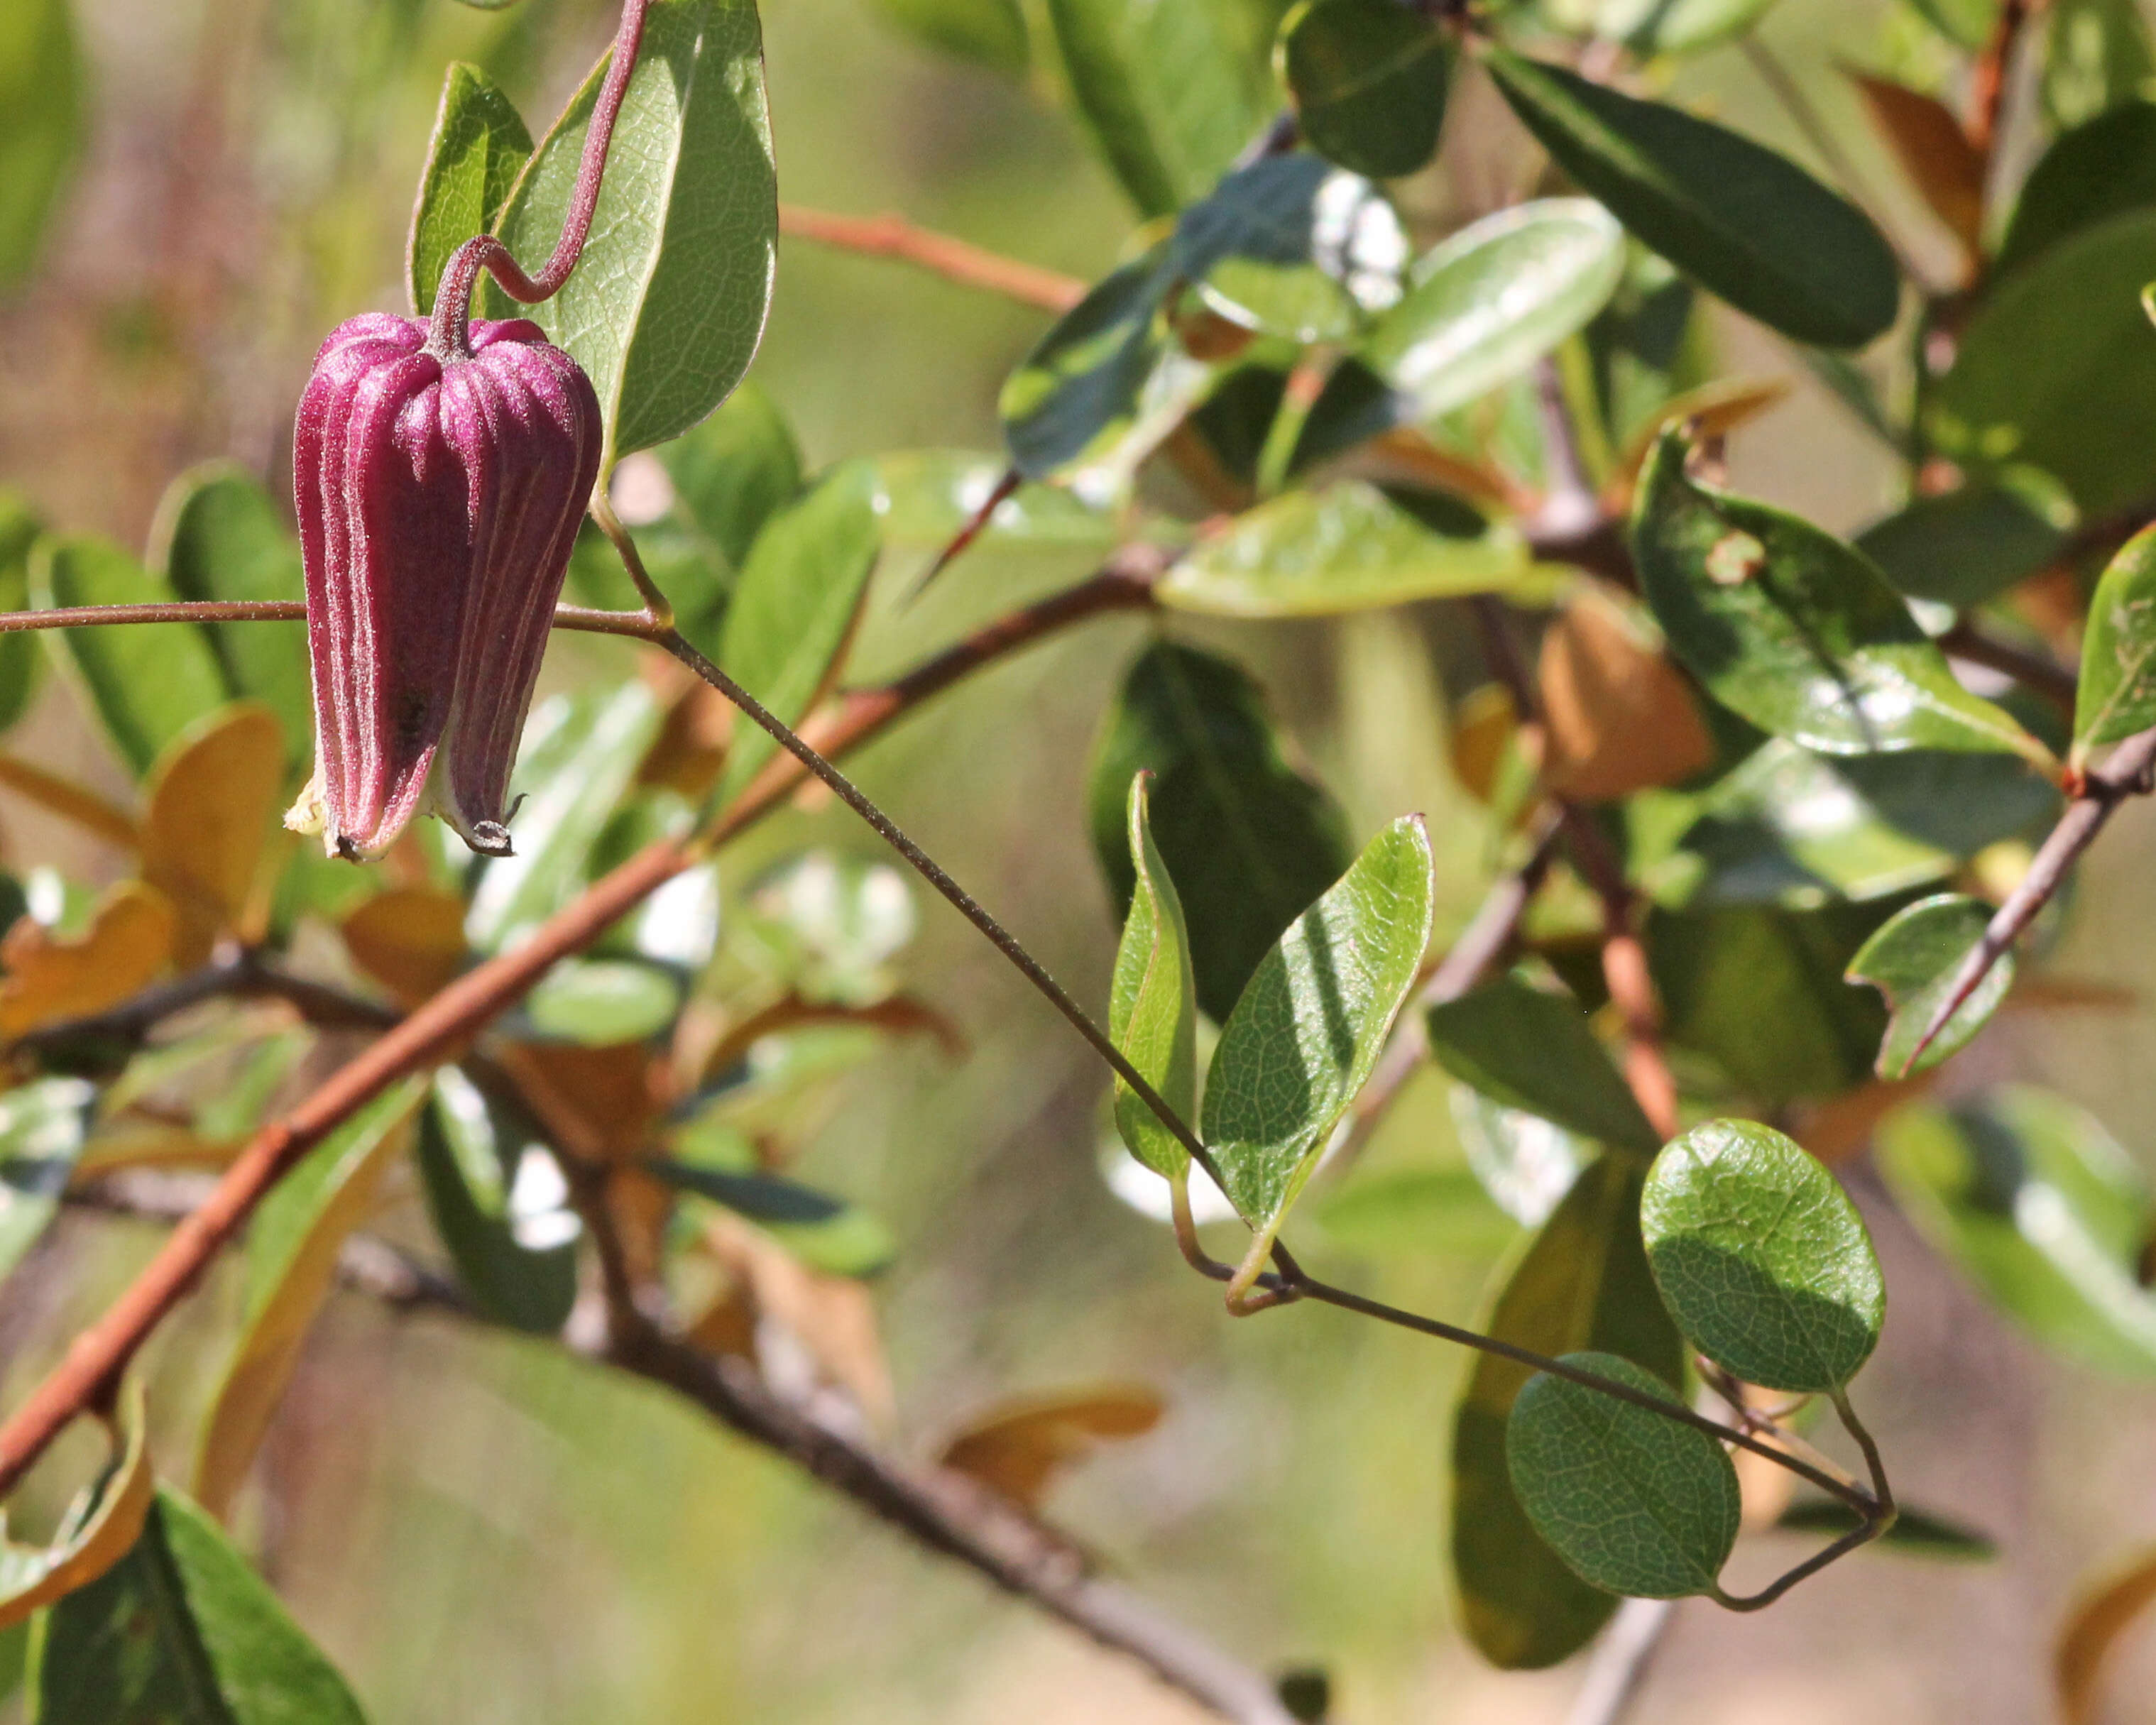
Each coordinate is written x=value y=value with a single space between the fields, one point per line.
x=1935 y=152
x=2092 y=1629
x=410 y=939
x=1483 y=729
x=127 y=945
x=1619 y=716
x=1018 y=1447
x=213 y=805
x=99 y=1532
x=831 y=1317
x=69 y=800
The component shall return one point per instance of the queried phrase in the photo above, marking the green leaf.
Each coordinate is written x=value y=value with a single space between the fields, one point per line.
x=1793 y=630
x=180 y=1632
x=1914 y=1533
x=218 y=537
x=2117 y=693
x=1423 y=1213
x=42 y=1127
x=1748 y=224
x=2096 y=55
x=667 y=306
x=1659 y=27
x=1964 y=546
x=932 y=494
x=580 y=754
x=2041 y=1208
x=793 y=609
x=1170 y=93
x=518 y=1260
x=20 y=659
x=1367 y=78
x=1761 y=1258
x=2104 y=167
x=1349 y=547
x=41 y=95
x=991 y=33
x=147 y=681
x=1153 y=1003
x=1311 y=1025
x=598 y=1002
x=826 y=1232
x=480 y=145
x=1634 y=1503
x=1531 y=1050
x=1525 y=1163
x=1582 y=1282
x=1913 y=960
x=1248 y=841
x=734 y=471
x=2057 y=369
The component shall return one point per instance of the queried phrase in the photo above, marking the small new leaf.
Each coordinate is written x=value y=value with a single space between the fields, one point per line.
x=1914 y=960
x=2117 y=694
x=1153 y=1003
x=480 y=145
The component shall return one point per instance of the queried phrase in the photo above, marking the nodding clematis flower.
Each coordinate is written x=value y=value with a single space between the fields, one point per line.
x=440 y=484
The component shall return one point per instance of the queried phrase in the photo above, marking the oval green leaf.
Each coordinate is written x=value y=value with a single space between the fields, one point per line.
x=42 y=1129
x=1531 y=1050
x=1367 y=78
x=41 y=94
x=1912 y=961
x=599 y=1001
x=2117 y=693
x=1152 y=1002
x=480 y=145
x=2102 y=168
x=519 y=1268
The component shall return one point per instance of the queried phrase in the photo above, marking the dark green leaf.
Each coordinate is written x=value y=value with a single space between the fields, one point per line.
x=20 y=659
x=2117 y=693
x=1583 y=1282
x=516 y=1259
x=1368 y=80
x=181 y=1632
x=42 y=1127
x=1915 y=1534
x=2103 y=168
x=990 y=32
x=2096 y=55
x=1531 y=1050
x=667 y=306
x=2040 y=1207
x=1761 y=1258
x=1634 y=1503
x=146 y=682
x=598 y=1002
x=1750 y=225
x=1170 y=93
x=1303 y=1037
x=1153 y=1003
x=826 y=1233
x=1913 y=960
x=41 y=98
x=1964 y=546
x=794 y=607
x=218 y=537
x=734 y=471
x=1793 y=630
x=480 y=145
x=1248 y=841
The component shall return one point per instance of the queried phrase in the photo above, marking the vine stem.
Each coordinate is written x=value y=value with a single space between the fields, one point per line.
x=583 y=618
x=892 y=236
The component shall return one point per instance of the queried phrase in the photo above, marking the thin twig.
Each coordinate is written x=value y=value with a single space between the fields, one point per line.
x=888 y=236
x=1620 y=1661
x=2056 y=682
x=581 y=618
x=1988 y=78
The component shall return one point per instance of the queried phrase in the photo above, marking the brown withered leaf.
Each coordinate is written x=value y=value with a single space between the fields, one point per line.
x=1018 y=1447
x=691 y=747
x=1836 y=1129
x=832 y=1318
x=2092 y=1629
x=1934 y=152
x=127 y=945
x=1620 y=717
x=1713 y=410
x=410 y=939
x=1483 y=727
x=212 y=812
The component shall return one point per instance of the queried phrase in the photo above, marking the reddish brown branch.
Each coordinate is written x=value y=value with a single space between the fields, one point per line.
x=1988 y=77
x=888 y=236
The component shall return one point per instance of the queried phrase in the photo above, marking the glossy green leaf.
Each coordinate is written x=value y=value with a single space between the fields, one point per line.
x=514 y=1249
x=2102 y=168
x=1793 y=630
x=1761 y=1258
x=1367 y=78
x=1634 y=1503
x=1349 y=547
x=580 y=753
x=480 y=145
x=1582 y=1282
x=2057 y=369
x=1964 y=546
x=1915 y=1532
x=667 y=306
x=2041 y=1208
x=21 y=660
x=794 y=607
x=2096 y=55
x=598 y=1002
x=146 y=682
x=1170 y=93
x=734 y=471
x=41 y=98
x=1249 y=841
x=1310 y=1026
x=1153 y=1003
x=991 y=33
x=1526 y=1164
x=1748 y=224
x=1912 y=961
x=181 y=1632
x=930 y=495
x=1528 y=1048
x=218 y=536
x=2117 y=693
x=42 y=1126
x=1423 y=1213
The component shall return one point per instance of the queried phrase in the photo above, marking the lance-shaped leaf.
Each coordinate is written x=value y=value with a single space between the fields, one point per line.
x=2117 y=693
x=1761 y=1258
x=1248 y=841
x=1750 y=225
x=1152 y=1002
x=827 y=1233
x=1583 y=1282
x=734 y=471
x=292 y=1259
x=1529 y=1048
x=480 y=145
x=1793 y=630
x=1913 y=961
x=1349 y=547
x=21 y=660
x=182 y=1630
x=42 y=1128
x=1935 y=152
x=1302 y=1039
x=667 y=305
x=101 y=1525
x=1915 y=1532
x=41 y=92
x=2104 y=167
x=1368 y=80
x=515 y=1255
x=1633 y=1502
x=2040 y=1207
